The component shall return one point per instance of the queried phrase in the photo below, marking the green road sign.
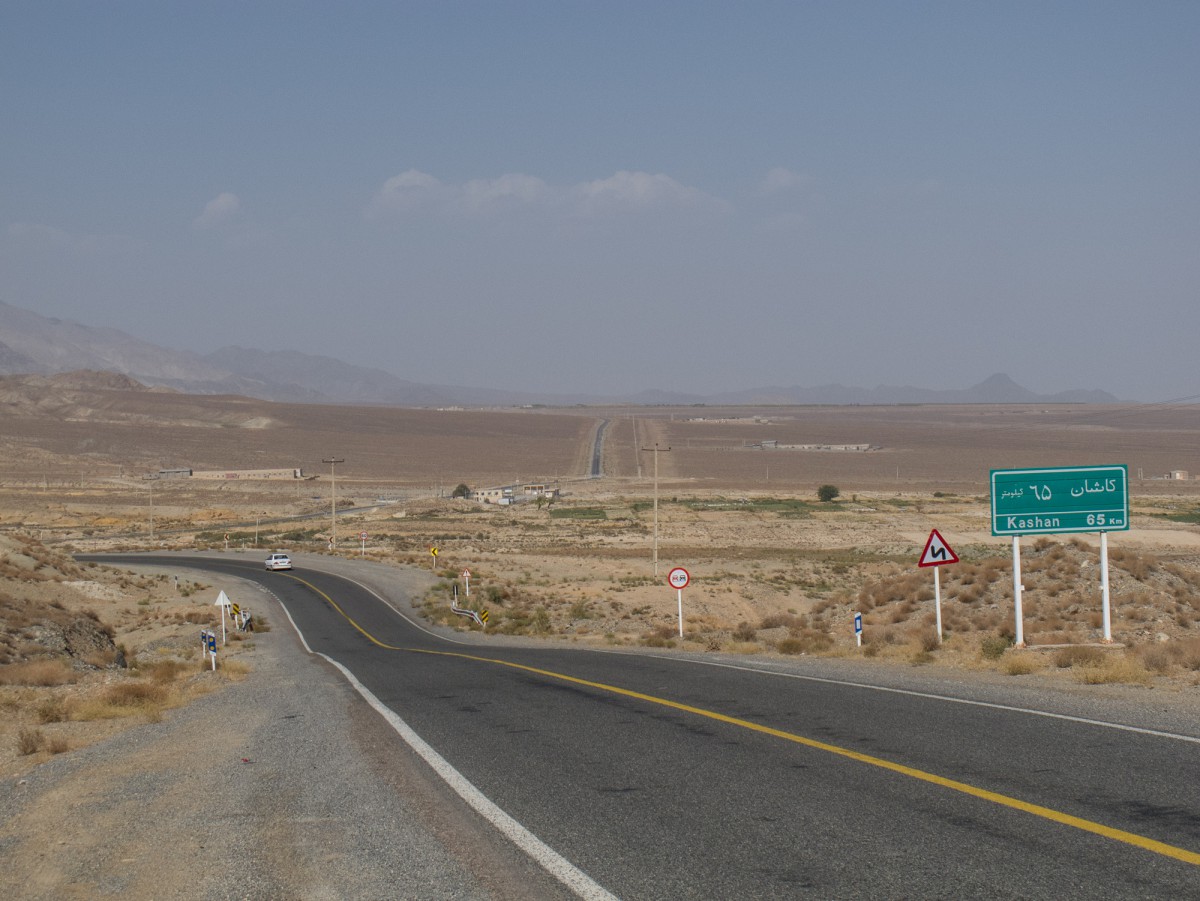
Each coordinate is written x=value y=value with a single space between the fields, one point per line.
x=1060 y=499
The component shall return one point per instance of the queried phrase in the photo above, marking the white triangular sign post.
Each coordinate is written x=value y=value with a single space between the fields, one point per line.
x=224 y=603
x=937 y=553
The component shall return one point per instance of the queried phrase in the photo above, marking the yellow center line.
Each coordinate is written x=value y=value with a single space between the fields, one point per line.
x=1047 y=813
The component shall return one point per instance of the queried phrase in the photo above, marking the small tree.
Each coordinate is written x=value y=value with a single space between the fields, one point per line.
x=827 y=493
x=462 y=490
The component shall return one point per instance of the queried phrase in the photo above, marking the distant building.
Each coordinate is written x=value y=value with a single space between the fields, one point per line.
x=231 y=474
x=511 y=494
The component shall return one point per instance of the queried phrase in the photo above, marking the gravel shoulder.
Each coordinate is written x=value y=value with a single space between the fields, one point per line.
x=284 y=785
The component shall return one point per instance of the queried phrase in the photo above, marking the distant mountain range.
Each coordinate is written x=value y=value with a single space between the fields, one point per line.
x=35 y=344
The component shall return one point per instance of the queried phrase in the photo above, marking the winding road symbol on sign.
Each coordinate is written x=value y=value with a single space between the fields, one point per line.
x=937 y=552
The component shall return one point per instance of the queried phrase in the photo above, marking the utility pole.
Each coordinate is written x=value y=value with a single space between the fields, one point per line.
x=656 y=449
x=150 y=486
x=333 y=461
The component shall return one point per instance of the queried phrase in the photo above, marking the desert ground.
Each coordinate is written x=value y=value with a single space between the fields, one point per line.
x=731 y=494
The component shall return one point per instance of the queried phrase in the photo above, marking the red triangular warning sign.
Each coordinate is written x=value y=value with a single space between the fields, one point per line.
x=937 y=551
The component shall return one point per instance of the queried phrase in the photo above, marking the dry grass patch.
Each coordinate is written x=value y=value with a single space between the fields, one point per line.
x=43 y=673
x=1021 y=665
x=1125 y=669
x=805 y=641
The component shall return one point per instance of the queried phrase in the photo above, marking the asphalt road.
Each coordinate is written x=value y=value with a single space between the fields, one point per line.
x=663 y=777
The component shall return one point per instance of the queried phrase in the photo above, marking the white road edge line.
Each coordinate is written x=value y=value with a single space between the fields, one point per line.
x=933 y=697
x=549 y=859
x=546 y=857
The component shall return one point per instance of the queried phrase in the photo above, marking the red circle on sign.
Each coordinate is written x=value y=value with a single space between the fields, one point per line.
x=678 y=577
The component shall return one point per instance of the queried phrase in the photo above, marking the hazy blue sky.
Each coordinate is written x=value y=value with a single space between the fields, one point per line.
x=614 y=196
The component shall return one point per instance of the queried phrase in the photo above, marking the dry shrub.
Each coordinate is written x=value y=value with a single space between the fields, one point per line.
x=30 y=741
x=660 y=637
x=1139 y=566
x=807 y=641
x=104 y=658
x=928 y=640
x=894 y=588
x=1021 y=665
x=787 y=620
x=1154 y=657
x=134 y=693
x=745 y=632
x=164 y=672
x=235 y=669
x=44 y=672
x=992 y=647
x=128 y=698
x=1187 y=653
x=970 y=595
x=51 y=710
x=1125 y=669
x=1067 y=658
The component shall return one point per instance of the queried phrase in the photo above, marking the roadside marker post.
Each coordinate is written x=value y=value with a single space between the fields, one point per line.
x=212 y=649
x=224 y=603
x=362 y=536
x=937 y=554
x=466 y=574
x=678 y=578
x=858 y=629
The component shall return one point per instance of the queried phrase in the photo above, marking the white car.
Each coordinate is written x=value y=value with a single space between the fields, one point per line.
x=279 y=561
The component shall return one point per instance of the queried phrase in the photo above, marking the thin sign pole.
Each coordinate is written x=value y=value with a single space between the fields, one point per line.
x=680 y=593
x=937 y=600
x=1017 y=589
x=1104 y=587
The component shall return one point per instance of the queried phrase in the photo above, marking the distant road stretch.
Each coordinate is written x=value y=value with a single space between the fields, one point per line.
x=598 y=450
x=663 y=777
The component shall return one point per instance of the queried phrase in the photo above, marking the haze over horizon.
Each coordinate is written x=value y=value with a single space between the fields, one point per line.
x=618 y=197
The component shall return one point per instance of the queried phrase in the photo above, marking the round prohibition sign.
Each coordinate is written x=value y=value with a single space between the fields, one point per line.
x=678 y=578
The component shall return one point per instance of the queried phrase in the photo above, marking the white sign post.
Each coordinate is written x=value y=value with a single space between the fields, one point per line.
x=224 y=603
x=937 y=553
x=678 y=578
x=858 y=628
x=362 y=536
x=467 y=581
x=1105 y=607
